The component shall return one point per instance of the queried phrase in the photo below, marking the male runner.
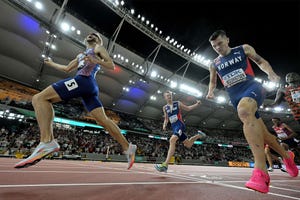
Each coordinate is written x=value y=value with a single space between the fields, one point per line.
x=234 y=69
x=83 y=85
x=172 y=114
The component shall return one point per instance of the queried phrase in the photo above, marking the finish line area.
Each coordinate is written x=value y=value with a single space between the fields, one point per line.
x=67 y=179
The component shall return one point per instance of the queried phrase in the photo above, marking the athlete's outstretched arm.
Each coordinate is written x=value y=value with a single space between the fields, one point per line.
x=261 y=62
x=65 y=68
x=166 y=120
x=279 y=97
x=189 y=108
x=294 y=134
x=212 y=82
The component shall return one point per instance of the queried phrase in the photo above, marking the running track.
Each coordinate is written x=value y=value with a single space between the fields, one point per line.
x=94 y=180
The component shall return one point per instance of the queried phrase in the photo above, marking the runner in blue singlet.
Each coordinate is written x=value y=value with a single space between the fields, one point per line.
x=234 y=69
x=172 y=114
x=83 y=85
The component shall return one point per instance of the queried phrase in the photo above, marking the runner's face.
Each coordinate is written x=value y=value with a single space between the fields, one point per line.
x=220 y=45
x=292 y=77
x=92 y=38
x=275 y=121
x=168 y=96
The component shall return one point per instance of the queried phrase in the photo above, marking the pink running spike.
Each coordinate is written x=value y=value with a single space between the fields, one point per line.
x=290 y=165
x=259 y=181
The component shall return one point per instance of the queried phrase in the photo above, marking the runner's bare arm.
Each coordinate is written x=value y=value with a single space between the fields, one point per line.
x=263 y=64
x=166 y=120
x=293 y=133
x=279 y=97
x=212 y=82
x=189 y=108
x=65 y=68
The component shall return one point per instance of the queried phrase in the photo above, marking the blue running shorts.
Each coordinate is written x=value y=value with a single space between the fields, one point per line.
x=85 y=87
x=252 y=89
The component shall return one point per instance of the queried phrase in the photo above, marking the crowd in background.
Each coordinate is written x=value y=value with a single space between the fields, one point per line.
x=22 y=137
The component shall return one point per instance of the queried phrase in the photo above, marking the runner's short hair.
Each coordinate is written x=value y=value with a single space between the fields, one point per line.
x=217 y=34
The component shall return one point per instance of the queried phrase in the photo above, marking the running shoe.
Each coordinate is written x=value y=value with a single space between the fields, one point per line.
x=270 y=169
x=130 y=154
x=290 y=165
x=161 y=167
x=41 y=151
x=283 y=170
x=259 y=181
x=280 y=165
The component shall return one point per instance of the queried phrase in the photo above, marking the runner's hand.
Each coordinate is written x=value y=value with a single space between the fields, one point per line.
x=164 y=128
x=48 y=61
x=210 y=96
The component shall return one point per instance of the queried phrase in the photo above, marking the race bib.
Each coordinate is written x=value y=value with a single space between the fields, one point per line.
x=71 y=84
x=173 y=118
x=234 y=77
x=282 y=135
x=296 y=96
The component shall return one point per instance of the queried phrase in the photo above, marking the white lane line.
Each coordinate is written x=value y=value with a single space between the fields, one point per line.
x=171 y=175
x=243 y=188
x=282 y=195
x=182 y=176
x=288 y=185
x=65 y=172
x=222 y=183
x=189 y=177
x=137 y=183
x=97 y=184
x=52 y=166
x=287 y=189
x=272 y=181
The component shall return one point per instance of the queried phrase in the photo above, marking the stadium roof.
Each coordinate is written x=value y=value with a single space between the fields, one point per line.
x=24 y=31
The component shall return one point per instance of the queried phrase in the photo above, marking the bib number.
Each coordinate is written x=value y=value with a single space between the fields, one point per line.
x=71 y=84
x=234 y=77
x=173 y=119
x=295 y=96
x=282 y=135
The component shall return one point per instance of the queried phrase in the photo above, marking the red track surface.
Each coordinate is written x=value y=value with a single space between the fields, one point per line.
x=88 y=180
